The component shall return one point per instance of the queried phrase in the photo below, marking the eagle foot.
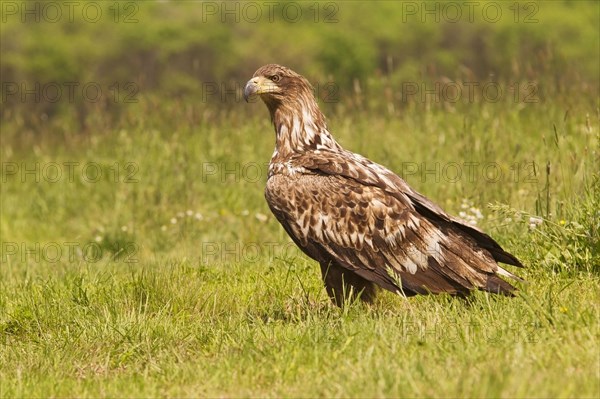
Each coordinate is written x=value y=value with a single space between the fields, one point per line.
x=344 y=286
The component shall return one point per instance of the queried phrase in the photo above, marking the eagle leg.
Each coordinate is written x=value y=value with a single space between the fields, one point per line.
x=343 y=285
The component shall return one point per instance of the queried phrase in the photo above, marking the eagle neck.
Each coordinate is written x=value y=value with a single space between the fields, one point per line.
x=300 y=129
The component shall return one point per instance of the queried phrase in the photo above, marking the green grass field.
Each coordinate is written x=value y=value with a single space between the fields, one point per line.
x=143 y=261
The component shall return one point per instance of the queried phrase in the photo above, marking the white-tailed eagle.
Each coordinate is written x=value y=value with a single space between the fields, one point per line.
x=361 y=222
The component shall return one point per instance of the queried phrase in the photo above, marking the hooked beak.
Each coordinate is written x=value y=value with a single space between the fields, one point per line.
x=259 y=85
x=252 y=88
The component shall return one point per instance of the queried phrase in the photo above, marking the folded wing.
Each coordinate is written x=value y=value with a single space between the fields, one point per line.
x=358 y=217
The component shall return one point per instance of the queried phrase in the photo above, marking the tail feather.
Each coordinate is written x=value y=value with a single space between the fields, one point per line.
x=506 y=273
x=488 y=243
x=496 y=285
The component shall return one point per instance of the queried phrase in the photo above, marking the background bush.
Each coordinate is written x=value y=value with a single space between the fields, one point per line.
x=182 y=50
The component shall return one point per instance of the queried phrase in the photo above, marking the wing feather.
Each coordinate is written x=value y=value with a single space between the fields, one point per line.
x=366 y=172
x=368 y=230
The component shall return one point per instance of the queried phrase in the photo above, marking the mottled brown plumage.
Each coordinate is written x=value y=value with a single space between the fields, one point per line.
x=361 y=222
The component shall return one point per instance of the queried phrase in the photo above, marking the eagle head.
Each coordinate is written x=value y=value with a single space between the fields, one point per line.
x=299 y=124
x=277 y=85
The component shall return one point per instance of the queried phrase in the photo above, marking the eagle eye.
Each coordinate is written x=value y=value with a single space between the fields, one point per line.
x=275 y=78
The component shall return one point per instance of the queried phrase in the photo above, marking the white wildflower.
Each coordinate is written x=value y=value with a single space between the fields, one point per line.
x=472 y=220
x=535 y=220
x=469 y=213
x=173 y=220
x=261 y=217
